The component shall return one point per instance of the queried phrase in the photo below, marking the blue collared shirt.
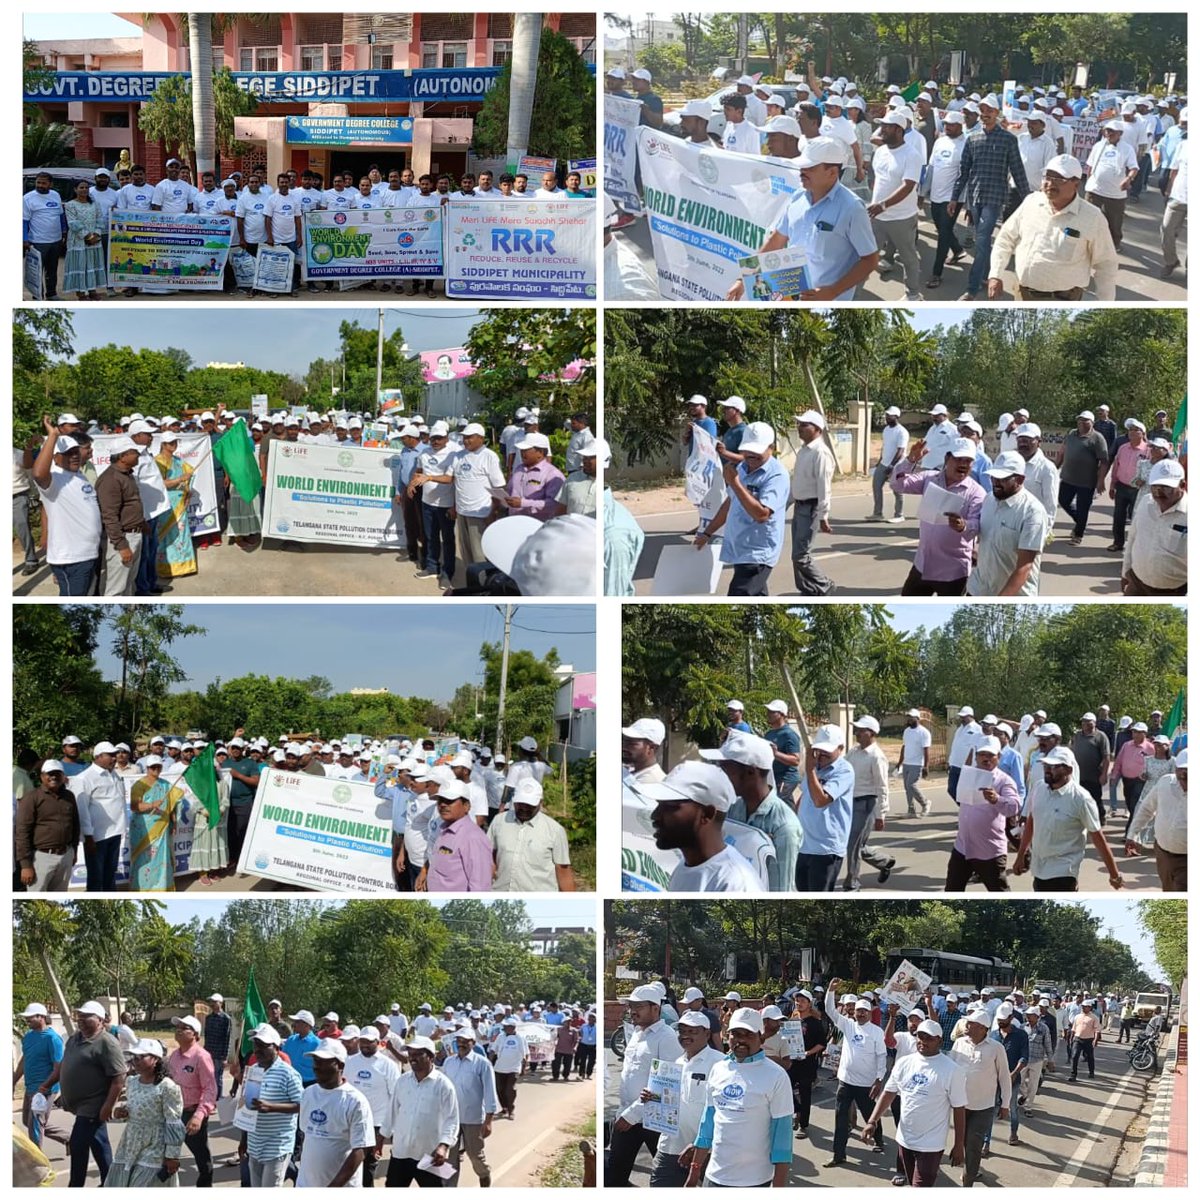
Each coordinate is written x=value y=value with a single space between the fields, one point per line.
x=403 y=466
x=982 y=463
x=1009 y=761
x=827 y=830
x=834 y=233
x=745 y=539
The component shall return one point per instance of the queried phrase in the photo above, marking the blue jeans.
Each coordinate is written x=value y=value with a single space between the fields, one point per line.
x=952 y=782
x=147 y=576
x=102 y=863
x=75 y=579
x=1143 y=176
x=88 y=1137
x=439 y=540
x=986 y=217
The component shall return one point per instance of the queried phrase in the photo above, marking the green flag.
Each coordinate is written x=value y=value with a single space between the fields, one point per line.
x=254 y=1013
x=1175 y=716
x=201 y=777
x=911 y=92
x=1180 y=430
x=235 y=452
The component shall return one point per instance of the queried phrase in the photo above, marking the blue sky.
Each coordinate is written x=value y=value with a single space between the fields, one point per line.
x=413 y=649
x=261 y=338
x=909 y=617
x=1120 y=919
x=49 y=26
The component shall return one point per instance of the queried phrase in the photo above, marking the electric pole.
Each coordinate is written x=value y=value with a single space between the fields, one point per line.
x=508 y=611
x=378 y=364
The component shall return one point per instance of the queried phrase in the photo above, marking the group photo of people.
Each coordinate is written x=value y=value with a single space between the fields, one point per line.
x=1014 y=156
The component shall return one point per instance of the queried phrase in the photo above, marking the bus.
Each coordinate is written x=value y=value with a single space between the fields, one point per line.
x=956 y=972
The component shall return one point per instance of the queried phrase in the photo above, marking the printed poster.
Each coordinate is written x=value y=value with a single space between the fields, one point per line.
x=179 y=251
x=661 y=1115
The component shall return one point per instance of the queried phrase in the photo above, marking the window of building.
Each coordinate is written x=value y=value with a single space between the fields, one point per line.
x=444 y=54
x=501 y=53
x=258 y=58
x=114 y=120
x=381 y=58
x=312 y=58
x=333 y=55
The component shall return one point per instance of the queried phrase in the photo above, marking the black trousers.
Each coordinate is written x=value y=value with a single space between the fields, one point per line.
x=623 y=1149
x=402 y=1171
x=850 y=1096
x=1126 y=498
x=585 y=1061
x=991 y=870
x=1086 y=1047
x=917 y=585
x=1093 y=789
x=239 y=822
x=1062 y=883
x=1076 y=502
x=562 y=1062
x=749 y=579
x=804 y=1074
x=197 y=1143
x=946 y=241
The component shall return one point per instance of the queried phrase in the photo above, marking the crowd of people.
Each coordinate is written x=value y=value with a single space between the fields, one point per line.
x=1029 y=798
x=319 y=1099
x=126 y=530
x=984 y=521
x=463 y=819
x=946 y=1070
x=1033 y=189
x=75 y=234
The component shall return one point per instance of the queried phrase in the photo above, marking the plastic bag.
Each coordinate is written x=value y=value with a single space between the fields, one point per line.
x=31 y=1168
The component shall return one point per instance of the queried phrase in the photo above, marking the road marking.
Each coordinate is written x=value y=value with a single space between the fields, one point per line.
x=1085 y=1148
x=523 y=1154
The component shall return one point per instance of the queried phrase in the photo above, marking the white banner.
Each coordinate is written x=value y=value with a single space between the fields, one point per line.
x=319 y=833
x=334 y=494
x=195 y=450
x=708 y=210
x=245 y=265
x=33 y=273
x=523 y=250
x=703 y=481
x=620 y=151
x=646 y=868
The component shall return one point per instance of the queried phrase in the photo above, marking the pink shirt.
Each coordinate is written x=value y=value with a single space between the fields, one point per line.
x=1125 y=464
x=193 y=1071
x=1130 y=758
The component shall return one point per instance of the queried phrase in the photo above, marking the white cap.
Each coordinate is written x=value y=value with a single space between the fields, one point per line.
x=50 y=765
x=534 y=441
x=772 y=1012
x=862 y=1004
x=266 y=1033
x=328 y=1048
x=1030 y=429
x=1168 y=472
x=979 y=1016
x=616 y=72
x=92 y=1008
x=784 y=124
x=989 y=745
x=1181 y=759
x=697 y=782
x=746 y=1018
x=1066 y=165
x=104 y=748
x=647 y=993
x=777 y=706
x=693 y=993
x=759 y=436
x=735 y=996
x=744 y=748
x=217 y=997
x=474 y=430
x=810 y=416
x=952 y=117
x=303 y=1015
x=649 y=729
x=991 y=100
x=696 y=1019
x=1007 y=464
x=828 y=738
x=930 y=1028
x=867 y=723
x=642 y=73
x=148 y=1046
x=966 y=711
x=64 y=443
x=188 y=1022
x=733 y=401
x=939 y=410
x=696 y=108
x=1060 y=756
x=35 y=1010
x=893 y=118
x=746 y=81
x=152 y=760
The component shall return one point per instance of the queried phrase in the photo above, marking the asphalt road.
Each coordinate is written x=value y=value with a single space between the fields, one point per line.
x=1137 y=276
x=1073 y=1140
x=545 y=1113
x=867 y=558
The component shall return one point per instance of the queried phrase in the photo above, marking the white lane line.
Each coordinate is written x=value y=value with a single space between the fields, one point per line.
x=1084 y=1149
x=522 y=1155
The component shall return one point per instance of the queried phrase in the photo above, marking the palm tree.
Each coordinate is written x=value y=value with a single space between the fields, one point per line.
x=204 y=116
x=48 y=144
x=526 y=45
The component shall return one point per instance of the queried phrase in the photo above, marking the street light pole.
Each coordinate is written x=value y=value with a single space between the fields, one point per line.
x=379 y=362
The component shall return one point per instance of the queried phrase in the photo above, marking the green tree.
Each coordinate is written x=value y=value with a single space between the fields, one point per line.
x=166 y=955
x=1165 y=922
x=38 y=337
x=142 y=637
x=168 y=117
x=529 y=701
x=49 y=144
x=666 y=61
x=41 y=929
x=106 y=953
x=359 y=349
x=564 y=107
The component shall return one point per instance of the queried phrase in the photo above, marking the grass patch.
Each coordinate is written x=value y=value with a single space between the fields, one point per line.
x=565 y=1169
x=583 y=862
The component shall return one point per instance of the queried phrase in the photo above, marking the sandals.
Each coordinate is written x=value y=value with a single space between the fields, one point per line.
x=935 y=282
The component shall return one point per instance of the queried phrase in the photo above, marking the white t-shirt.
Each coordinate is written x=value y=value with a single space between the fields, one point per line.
x=421 y=810
x=728 y=871
x=252 y=209
x=44 y=214
x=401 y=197
x=374 y=1076
x=930 y=1088
x=74 y=534
x=944 y=160
x=476 y=472
x=842 y=130
x=135 y=197
x=339 y=201
x=526 y=770
x=334 y=1121
x=172 y=195
x=915 y=742
x=895 y=438
x=892 y=169
x=545 y=194
x=438 y=462
x=22 y=475
x=746 y=1097
x=1108 y=165
x=371 y=201
x=1179 y=164
x=283 y=211
x=424 y=1025
x=105 y=200
x=742 y=138
x=510 y=1051
x=310 y=198
x=212 y=203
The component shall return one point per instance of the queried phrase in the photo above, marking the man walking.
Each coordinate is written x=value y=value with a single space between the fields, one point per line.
x=914 y=762
x=192 y=1068
x=987 y=1082
x=861 y=1068
x=812 y=488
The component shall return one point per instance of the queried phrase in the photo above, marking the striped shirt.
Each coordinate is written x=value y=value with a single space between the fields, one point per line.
x=274 y=1134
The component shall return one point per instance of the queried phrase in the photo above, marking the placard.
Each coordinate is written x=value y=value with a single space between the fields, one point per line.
x=587 y=173
x=937 y=502
x=341 y=495
x=666 y=1082
x=195 y=449
x=273 y=269
x=245 y=265
x=33 y=273
x=687 y=571
x=793 y=1034
x=775 y=275
x=906 y=988
x=971 y=782
x=621 y=116
x=374 y=243
x=185 y=252
x=319 y=833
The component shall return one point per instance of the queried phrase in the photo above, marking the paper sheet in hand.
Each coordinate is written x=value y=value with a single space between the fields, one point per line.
x=245 y=1117
x=686 y=571
x=906 y=988
x=970 y=785
x=793 y=1034
x=937 y=503
x=445 y=1171
x=666 y=1082
x=775 y=275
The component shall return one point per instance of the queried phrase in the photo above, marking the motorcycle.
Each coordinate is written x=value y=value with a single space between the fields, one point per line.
x=1143 y=1055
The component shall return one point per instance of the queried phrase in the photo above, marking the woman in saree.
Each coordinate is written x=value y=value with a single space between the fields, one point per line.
x=153 y=802
x=176 y=555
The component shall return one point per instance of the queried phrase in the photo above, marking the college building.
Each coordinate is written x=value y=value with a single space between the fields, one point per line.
x=336 y=91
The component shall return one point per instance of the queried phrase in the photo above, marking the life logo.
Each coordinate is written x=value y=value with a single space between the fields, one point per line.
x=339 y=218
x=733 y=1091
x=317 y=1117
x=345 y=459
x=364 y=1074
x=919 y=1080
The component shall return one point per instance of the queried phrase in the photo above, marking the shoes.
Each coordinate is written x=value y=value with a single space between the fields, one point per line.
x=1076 y=539
x=1167 y=271
x=969 y=296
x=876 y=1149
x=899 y=1181
x=895 y=520
x=424 y=574
x=885 y=266
x=834 y=1162
x=1114 y=547
x=884 y=874
x=29 y=569
x=874 y=517
x=1014 y=1140
x=986 y=1152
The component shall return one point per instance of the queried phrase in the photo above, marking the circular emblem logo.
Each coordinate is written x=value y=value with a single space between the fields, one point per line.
x=317 y=1117
x=322 y=253
x=707 y=168
x=733 y=1091
x=406 y=239
x=590 y=289
x=430 y=213
x=341 y=793
x=277 y=780
x=262 y=862
x=345 y=459
x=283 y=526
x=469 y=239
x=339 y=218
